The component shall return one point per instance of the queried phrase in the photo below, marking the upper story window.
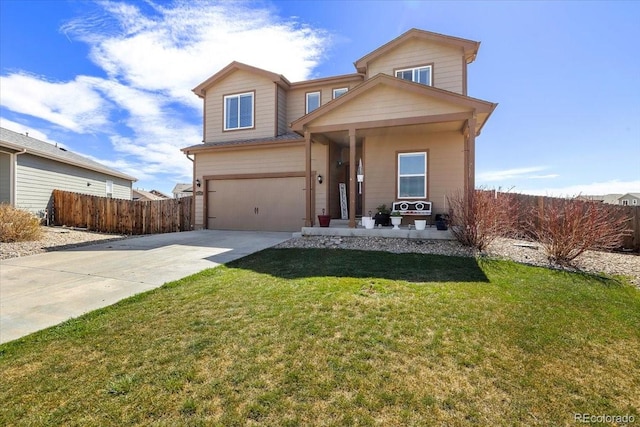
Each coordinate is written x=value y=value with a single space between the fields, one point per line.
x=339 y=92
x=418 y=74
x=238 y=111
x=412 y=175
x=313 y=101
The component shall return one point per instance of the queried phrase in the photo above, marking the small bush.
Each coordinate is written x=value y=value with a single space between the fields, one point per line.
x=17 y=225
x=481 y=217
x=568 y=228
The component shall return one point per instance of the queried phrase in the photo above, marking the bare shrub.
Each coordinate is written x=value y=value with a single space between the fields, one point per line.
x=17 y=225
x=566 y=228
x=480 y=217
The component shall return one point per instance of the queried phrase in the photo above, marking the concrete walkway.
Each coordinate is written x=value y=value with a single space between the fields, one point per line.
x=43 y=290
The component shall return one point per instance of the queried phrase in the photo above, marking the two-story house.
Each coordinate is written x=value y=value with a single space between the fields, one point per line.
x=275 y=152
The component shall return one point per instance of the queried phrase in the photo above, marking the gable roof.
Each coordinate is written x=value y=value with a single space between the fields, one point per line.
x=470 y=47
x=478 y=105
x=159 y=194
x=182 y=188
x=627 y=195
x=234 y=66
x=147 y=195
x=19 y=142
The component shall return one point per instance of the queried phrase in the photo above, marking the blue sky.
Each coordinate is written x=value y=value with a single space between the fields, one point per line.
x=112 y=80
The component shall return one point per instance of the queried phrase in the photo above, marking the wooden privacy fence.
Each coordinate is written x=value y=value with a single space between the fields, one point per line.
x=528 y=204
x=121 y=216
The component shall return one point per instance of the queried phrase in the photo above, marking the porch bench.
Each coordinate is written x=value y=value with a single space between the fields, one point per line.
x=413 y=207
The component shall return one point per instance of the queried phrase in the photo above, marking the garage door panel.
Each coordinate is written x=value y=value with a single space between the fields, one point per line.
x=274 y=204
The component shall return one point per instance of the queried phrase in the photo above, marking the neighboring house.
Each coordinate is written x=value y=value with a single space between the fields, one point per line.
x=275 y=152
x=160 y=194
x=610 y=199
x=31 y=169
x=142 y=195
x=182 y=190
x=629 y=199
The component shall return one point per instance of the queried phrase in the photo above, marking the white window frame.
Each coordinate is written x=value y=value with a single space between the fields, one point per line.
x=415 y=71
x=108 y=187
x=424 y=195
x=634 y=202
x=343 y=90
x=307 y=101
x=625 y=202
x=238 y=96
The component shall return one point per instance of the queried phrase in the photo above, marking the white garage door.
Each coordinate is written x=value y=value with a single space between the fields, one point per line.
x=266 y=204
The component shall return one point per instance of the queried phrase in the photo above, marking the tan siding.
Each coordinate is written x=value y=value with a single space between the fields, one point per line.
x=198 y=221
x=283 y=125
x=383 y=103
x=447 y=62
x=37 y=177
x=445 y=174
x=239 y=82
x=296 y=99
x=319 y=156
x=295 y=104
x=266 y=160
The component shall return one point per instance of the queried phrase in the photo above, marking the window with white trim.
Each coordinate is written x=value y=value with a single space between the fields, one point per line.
x=238 y=111
x=109 y=188
x=418 y=74
x=339 y=92
x=313 y=101
x=412 y=175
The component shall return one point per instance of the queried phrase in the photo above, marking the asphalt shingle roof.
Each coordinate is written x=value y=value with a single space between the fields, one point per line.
x=36 y=147
x=280 y=138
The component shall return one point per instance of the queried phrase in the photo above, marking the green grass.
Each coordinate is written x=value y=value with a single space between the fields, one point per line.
x=335 y=338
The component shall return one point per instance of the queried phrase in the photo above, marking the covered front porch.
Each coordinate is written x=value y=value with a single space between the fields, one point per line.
x=368 y=133
x=340 y=228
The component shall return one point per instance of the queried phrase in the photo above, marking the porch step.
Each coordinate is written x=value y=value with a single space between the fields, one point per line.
x=430 y=233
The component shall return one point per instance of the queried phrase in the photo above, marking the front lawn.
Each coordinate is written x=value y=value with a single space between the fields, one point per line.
x=336 y=337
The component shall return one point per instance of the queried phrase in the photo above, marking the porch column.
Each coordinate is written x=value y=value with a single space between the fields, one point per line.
x=352 y=178
x=470 y=155
x=308 y=220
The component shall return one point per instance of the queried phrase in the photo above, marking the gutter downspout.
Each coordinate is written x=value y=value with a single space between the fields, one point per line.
x=193 y=187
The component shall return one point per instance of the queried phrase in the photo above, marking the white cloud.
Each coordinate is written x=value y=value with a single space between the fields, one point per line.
x=595 y=188
x=187 y=42
x=514 y=173
x=74 y=105
x=153 y=55
x=547 y=176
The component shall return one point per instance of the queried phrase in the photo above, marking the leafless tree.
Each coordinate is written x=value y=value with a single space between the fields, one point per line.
x=566 y=228
x=478 y=218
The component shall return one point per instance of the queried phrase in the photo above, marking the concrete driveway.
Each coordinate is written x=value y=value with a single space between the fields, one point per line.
x=43 y=290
